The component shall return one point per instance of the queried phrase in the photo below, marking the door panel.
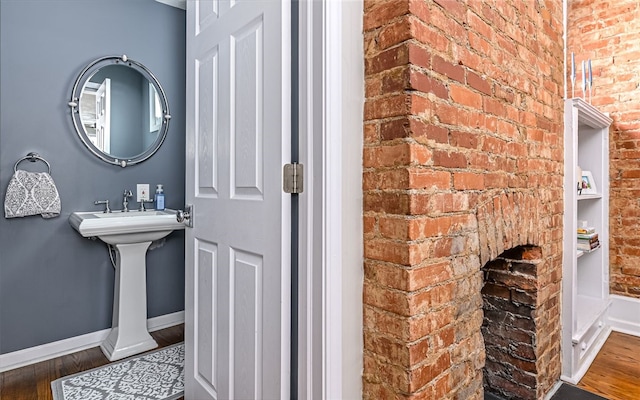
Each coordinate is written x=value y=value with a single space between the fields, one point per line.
x=247 y=340
x=246 y=92
x=238 y=251
x=205 y=293
x=206 y=74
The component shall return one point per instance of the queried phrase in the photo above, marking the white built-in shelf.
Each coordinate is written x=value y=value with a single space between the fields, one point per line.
x=589 y=196
x=589 y=115
x=585 y=274
x=583 y=252
x=590 y=309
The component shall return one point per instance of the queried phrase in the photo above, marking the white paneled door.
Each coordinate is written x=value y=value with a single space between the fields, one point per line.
x=238 y=252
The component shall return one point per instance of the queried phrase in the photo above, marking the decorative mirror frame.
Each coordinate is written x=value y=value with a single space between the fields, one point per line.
x=74 y=104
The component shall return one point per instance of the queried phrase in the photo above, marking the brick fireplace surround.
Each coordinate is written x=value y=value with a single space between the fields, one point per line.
x=510 y=326
x=462 y=198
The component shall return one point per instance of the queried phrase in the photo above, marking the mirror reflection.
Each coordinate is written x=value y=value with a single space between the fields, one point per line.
x=121 y=113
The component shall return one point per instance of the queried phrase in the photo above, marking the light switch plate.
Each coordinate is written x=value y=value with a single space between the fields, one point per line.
x=142 y=192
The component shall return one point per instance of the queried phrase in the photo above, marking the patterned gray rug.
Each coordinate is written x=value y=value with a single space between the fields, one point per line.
x=158 y=375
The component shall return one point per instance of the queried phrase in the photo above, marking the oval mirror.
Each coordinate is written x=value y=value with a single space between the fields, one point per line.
x=119 y=110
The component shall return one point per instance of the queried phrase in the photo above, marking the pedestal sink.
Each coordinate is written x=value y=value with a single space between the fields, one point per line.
x=130 y=233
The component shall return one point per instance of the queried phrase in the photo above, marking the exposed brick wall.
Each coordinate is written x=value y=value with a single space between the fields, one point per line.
x=462 y=161
x=608 y=32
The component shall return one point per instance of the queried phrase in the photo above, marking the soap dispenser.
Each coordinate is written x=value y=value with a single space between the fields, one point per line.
x=159 y=197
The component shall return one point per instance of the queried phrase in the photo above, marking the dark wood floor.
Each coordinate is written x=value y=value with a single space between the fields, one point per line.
x=615 y=372
x=33 y=382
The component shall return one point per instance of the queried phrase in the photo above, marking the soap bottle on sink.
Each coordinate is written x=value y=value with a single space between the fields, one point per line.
x=159 y=198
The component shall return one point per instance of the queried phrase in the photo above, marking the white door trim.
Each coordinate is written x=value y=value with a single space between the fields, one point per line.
x=332 y=199
x=331 y=246
x=311 y=266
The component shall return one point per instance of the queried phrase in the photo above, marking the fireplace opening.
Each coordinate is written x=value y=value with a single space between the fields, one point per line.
x=509 y=326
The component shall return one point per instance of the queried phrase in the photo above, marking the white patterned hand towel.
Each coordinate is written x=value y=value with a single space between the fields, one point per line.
x=31 y=193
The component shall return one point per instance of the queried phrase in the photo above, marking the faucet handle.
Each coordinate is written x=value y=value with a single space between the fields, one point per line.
x=142 y=207
x=105 y=202
x=125 y=203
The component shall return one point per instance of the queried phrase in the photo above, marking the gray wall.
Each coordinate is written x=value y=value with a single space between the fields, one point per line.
x=54 y=284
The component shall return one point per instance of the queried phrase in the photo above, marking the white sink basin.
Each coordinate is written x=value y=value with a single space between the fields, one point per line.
x=125 y=227
x=130 y=233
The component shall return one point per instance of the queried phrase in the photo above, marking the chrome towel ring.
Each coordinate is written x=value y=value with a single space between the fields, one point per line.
x=33 y=157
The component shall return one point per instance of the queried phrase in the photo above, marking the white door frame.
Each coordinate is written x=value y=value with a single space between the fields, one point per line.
x=330 y=304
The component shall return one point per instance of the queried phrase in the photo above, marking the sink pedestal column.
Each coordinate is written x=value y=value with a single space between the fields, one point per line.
x=129 y=334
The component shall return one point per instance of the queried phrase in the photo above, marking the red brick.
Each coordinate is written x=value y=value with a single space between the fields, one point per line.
x=386 y=250
x=466 y=97
x=419 y=56
x=394 y=129
x=384 y=12
x=394 y=33
x=393 y=203
x=478 y=25
x=369 y=225
x=421 y=106
x=464 y=139
x=428 y=372
x=453 y=71
x=390 y=58
x=394 y=81
x=448 y=114
x=477 y=82
x=419 y=154
x=386 y=156
x=493 y=106
x=442 y=21
x=468 y=181
x=429 y=179
x=454 y=7
x=496 y=180
x=471 y=59
x=494 y=145
x=480 y=44
x=420 y=81
x=423 y=324
x=421 y=130
x=447 y=159
x=371 y=134
x=427 y=276
x=385 y=107
x=420 y=9
x=394 y=227
x=423 y=33
x=385 y=180
x=372 y=86
x=394 y=350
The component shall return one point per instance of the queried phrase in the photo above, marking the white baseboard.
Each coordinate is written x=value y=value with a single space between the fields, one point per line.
x=182 y=4
x=586 y=362
x=624 y=314
x=63 y=347
x=553 y=390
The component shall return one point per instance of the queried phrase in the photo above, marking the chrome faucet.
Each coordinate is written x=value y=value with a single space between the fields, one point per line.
x=125 y=200
x=105 y=202
x=142 y=206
